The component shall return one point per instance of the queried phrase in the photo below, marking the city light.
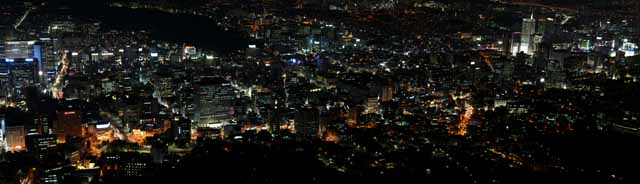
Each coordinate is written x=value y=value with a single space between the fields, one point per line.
x=319 y=91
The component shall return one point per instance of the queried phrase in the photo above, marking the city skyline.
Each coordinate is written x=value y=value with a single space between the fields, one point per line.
x=319 y=91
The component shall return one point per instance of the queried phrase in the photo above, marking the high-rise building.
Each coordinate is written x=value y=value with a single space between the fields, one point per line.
x=515 y=43
x=372 y=105
x=163 y=82
x=20 y=66
x=3 y=134
x=15 y=138
x=41 y=145
x=189 y=52
x=215 y=102
x=186 y=105
x=50 y=58
x=353 y=114
x=387 y=93
x=307 y=121
x=181 y=129
x=18 y=49
x=134 y=168
x=23 y=72
x=69 y=123
x=527 y=42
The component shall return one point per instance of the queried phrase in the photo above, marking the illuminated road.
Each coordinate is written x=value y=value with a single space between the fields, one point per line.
x=57 y=87
x=30 y=178
x=115 y=132
x=461 y=128
x=122 y=132
x=532 y=4
x=116 y=126
x=487 y=60
x=509 y=156
x=464 y=120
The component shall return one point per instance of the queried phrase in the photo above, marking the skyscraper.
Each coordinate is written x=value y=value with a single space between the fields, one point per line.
x=307 y=121
x=387 y=93
x=15 y=138
x=68 y=123
x=215 y=102
x=20 y=66
x=181 y=129
x=527 y=44
x=41 y=145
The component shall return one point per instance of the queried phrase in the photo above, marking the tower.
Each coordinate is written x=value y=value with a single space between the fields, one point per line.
x=307 y=121
x=214 y=101
x=527 y=44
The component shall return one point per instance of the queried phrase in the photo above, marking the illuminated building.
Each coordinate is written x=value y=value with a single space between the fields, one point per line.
x=387 y=93
x=189 y=52
x=628 y=48
x=141 y=109
x=18 y=49
x=54 y=174
x=215 y=102
x=40 y=126
x=186 y=105
x=69 y=123
x=527 y=42
x=23 y=72
x=371 y=105
x=150 y=108
x=15 y=138
x=41 y=145
x=3 y=135
x=15 y=74
x=181 y=129
x=162 y=82
x=50 y=58
x=519 y=107
x=107 y=85
x=129 y=164
x=515 y=44
x=134 y=168
x=20 y=66
x=61 y=27
x=555 y=77
x=352 y=115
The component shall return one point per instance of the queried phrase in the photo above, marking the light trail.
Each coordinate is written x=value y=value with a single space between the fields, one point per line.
x=487 y=60
x=30 y=178
x=509 y=156
x=57 y=87
x=461 y=128
x=464 y=121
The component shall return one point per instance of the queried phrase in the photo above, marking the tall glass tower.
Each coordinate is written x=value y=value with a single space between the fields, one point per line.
x=527 y=44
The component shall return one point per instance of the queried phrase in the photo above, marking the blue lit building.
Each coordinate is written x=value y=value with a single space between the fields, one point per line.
x=20 y=67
